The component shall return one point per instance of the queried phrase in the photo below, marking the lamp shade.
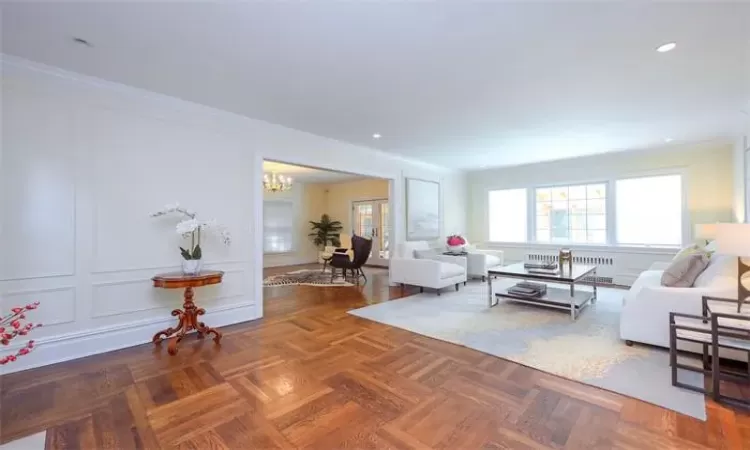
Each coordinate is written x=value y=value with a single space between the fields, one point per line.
x=733 y=239
x=705 y=231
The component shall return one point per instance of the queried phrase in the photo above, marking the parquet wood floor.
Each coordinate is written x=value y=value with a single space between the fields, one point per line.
x=309 y=375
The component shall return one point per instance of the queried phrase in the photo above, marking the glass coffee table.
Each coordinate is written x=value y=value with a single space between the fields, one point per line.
x=567 y=299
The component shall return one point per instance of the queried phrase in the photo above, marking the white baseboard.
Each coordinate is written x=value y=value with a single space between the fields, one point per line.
x=55 y=349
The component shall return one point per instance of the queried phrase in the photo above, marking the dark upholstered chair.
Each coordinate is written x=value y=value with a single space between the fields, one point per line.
x=362 y=248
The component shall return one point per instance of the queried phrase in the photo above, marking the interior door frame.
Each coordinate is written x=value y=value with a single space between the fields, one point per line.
x=385 y=200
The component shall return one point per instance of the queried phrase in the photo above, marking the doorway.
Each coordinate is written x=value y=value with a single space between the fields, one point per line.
x=370 y=219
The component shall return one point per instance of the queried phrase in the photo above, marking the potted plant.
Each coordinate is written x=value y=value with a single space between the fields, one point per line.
x=455 y=243
x=325 y=231
x=191 y=227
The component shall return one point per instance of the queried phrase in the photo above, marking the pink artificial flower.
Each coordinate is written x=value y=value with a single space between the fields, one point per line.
x=456 y=240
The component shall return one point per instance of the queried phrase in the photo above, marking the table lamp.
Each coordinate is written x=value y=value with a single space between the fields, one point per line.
x=734 y=239
x=705 y=232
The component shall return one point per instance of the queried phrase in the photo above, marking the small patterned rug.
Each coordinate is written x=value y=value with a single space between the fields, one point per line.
x=305 y=277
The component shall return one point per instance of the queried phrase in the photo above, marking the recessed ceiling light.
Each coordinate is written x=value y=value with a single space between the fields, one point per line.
x=666 y=47
x=376 y=136
x=82 y=41
x=668 y=139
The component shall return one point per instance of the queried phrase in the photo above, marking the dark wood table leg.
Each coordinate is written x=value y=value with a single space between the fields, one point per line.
x=188 y=321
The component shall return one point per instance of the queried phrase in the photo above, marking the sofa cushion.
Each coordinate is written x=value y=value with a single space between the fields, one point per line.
x=450 y=270
x=408 y=249
x=424 y=254
x=720 y=266
x=683 y=271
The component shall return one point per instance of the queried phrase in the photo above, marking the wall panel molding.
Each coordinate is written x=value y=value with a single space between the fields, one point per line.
x=64 y=313
x=173 y=267
x=163 y=302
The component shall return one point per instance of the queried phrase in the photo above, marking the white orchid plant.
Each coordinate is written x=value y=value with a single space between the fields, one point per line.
x=191 y=227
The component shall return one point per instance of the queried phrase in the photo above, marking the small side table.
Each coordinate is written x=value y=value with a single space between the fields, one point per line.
x=719 y=326
x=188 y=316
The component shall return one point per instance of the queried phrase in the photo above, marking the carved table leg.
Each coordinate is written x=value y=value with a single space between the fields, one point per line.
x=203 y=329
x=188 y=321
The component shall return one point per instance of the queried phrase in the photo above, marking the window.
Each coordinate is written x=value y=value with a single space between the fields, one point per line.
x=508 y=215
x=576 y=214
x=278 y=226
x=649 y=210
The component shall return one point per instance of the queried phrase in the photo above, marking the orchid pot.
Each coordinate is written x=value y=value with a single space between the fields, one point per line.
x=192 y=266
x=190 y=227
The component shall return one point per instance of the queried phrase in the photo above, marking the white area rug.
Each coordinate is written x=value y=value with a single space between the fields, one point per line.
x=588 y=350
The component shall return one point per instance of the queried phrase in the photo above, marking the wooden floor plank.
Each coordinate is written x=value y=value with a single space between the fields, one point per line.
x=310 y=375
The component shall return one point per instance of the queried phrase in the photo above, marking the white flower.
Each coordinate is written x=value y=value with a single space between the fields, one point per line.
x=226 y=237
x=190 y=224
x=173 y=207
x=187 y=226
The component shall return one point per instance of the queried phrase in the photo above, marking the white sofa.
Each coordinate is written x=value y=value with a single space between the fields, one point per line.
x=419 y=265
x=479 y=261
x=646 y=306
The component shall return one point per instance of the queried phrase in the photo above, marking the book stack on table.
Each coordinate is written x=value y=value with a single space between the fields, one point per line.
x=540 y=265
x=528 y=289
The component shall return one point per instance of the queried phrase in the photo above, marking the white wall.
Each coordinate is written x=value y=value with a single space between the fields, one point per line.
x=708 y=170
x=84 y=163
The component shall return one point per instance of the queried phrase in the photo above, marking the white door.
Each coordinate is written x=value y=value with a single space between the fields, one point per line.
x=370 y=219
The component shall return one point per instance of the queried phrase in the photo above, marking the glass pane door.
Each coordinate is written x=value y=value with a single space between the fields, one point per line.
x=370 y=219
x=363 y=220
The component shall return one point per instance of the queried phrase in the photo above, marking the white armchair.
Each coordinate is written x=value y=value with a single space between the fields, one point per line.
x=481 y=260
x=418 y=265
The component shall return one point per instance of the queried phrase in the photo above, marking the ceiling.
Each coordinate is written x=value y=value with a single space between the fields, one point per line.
x=307 y=174
x=461 y=85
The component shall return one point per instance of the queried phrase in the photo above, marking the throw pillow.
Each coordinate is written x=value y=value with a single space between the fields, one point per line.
x=424 y=254
x=683 y=271
x=686 y=251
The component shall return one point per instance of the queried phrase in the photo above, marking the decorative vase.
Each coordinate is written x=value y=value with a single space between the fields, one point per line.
x=456 y=248
x=192 y=266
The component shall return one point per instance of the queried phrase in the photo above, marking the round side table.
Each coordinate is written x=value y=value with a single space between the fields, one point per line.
x=188 y=316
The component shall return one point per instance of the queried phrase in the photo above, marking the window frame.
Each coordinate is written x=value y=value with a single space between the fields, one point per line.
x=531 y=231
x=610 y=208
x=293 y=226
x=686 y=231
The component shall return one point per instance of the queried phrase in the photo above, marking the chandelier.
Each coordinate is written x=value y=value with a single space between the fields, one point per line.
x=276 y=182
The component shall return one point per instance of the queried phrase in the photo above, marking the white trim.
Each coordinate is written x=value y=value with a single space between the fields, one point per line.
x=65 y=347
x=256 y=233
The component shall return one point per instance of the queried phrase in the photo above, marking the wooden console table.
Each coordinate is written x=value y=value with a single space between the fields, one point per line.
x=188 y=316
